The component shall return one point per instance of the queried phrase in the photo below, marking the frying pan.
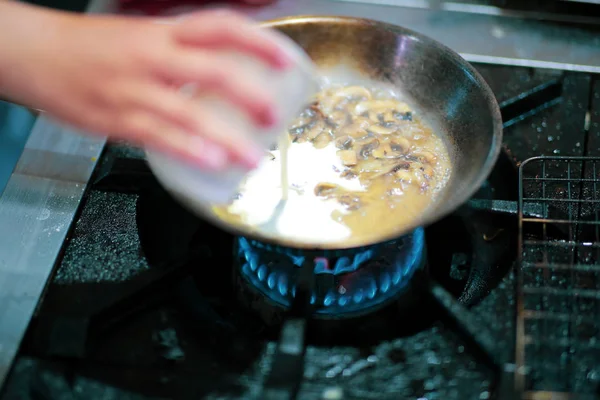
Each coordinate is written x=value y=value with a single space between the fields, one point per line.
x=447 y=91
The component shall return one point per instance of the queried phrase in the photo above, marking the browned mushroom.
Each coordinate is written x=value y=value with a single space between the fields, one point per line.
x=384 y=151
x=344 y=142
x=400 y=144
x=352 y=202
x=366 y=149
x=354 y=130
x=338 y=119
x=325 y=189
x=402 y=166
x=348 y=157
x=322 y=140
x=315 y=130
x=381 y=130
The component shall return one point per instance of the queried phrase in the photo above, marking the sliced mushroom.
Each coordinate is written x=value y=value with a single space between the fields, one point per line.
x=338 y=118
x=315 y=110
x=351 y=202
x=354 y=130
x=298 y=139
x=403 y=116
x=403 y=166
x=400 y=144
x=348 y=157
x=375 y=117
x=325 y=189
x=344 y=142
x=384 y=151
x=388 y=117
x=427 y=171
x=363 y=122
x=315 y=130
x=380 y=130
x=404 y=175
x=367 y=148
x=303 y=120
x=322 y=140
x=348 y=174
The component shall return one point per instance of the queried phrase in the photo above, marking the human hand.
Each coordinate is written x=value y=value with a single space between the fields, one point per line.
x=120 y=76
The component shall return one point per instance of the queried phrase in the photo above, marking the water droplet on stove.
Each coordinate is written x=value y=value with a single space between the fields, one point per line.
x=44 y=215
x=539 y=129
x=461 y=349
x=433 y=359
x=333 y=393
x=556 y=151
x=544 y=124
x=397 y=355
x=333 y=372
x=578 y=144
x=550 y=138
x=484 y=395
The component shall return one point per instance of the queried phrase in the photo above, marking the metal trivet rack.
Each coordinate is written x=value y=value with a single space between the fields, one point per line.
x=558 y=281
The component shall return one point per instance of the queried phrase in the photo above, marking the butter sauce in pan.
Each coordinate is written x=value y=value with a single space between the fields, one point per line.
x=359 y=161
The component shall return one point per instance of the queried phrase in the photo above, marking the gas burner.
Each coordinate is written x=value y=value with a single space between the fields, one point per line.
x=347 y=283
x=361 y=290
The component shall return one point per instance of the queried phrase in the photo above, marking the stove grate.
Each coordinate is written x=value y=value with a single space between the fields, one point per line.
x=558 y=282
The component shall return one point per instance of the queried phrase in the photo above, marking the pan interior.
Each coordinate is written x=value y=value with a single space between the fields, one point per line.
x=437 y=83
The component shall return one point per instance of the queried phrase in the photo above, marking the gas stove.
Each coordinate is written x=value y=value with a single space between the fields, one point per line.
x=149 y=302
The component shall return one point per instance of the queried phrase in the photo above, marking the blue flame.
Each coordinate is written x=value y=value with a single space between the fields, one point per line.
x=345 y=280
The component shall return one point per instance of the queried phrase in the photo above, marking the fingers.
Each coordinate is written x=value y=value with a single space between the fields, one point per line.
x=241 y=148
x=185 y=127
x=219 y=29
x=154 y=133
x=214 y=74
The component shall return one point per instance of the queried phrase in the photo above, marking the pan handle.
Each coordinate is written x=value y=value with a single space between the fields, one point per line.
x=508 y=207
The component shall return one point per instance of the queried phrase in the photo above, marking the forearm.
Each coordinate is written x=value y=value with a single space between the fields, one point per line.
x=27 y=35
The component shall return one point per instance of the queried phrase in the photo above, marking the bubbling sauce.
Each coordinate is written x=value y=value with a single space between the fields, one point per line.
x=356 y=164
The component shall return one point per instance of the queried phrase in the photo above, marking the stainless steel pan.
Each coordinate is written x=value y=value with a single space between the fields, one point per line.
x=439 y=83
